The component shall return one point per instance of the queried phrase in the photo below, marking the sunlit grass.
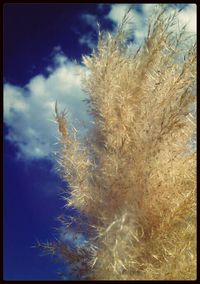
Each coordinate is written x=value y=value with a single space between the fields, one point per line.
x=135 y=176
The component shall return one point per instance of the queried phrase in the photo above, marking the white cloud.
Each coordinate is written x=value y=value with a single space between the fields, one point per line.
x=140 y=20
x=188 y=16
x=28 y=110
x=147 y=9
x=117 y=11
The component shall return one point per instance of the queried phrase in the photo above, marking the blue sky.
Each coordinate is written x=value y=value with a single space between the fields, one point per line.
x=43 y=47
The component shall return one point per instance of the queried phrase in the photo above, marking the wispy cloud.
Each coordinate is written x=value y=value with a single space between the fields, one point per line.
x=87 y=40
x=77 y=239
x=29 y=110
x=90 y=20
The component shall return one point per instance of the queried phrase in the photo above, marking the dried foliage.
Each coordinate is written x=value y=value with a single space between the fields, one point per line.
x=134 y=180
